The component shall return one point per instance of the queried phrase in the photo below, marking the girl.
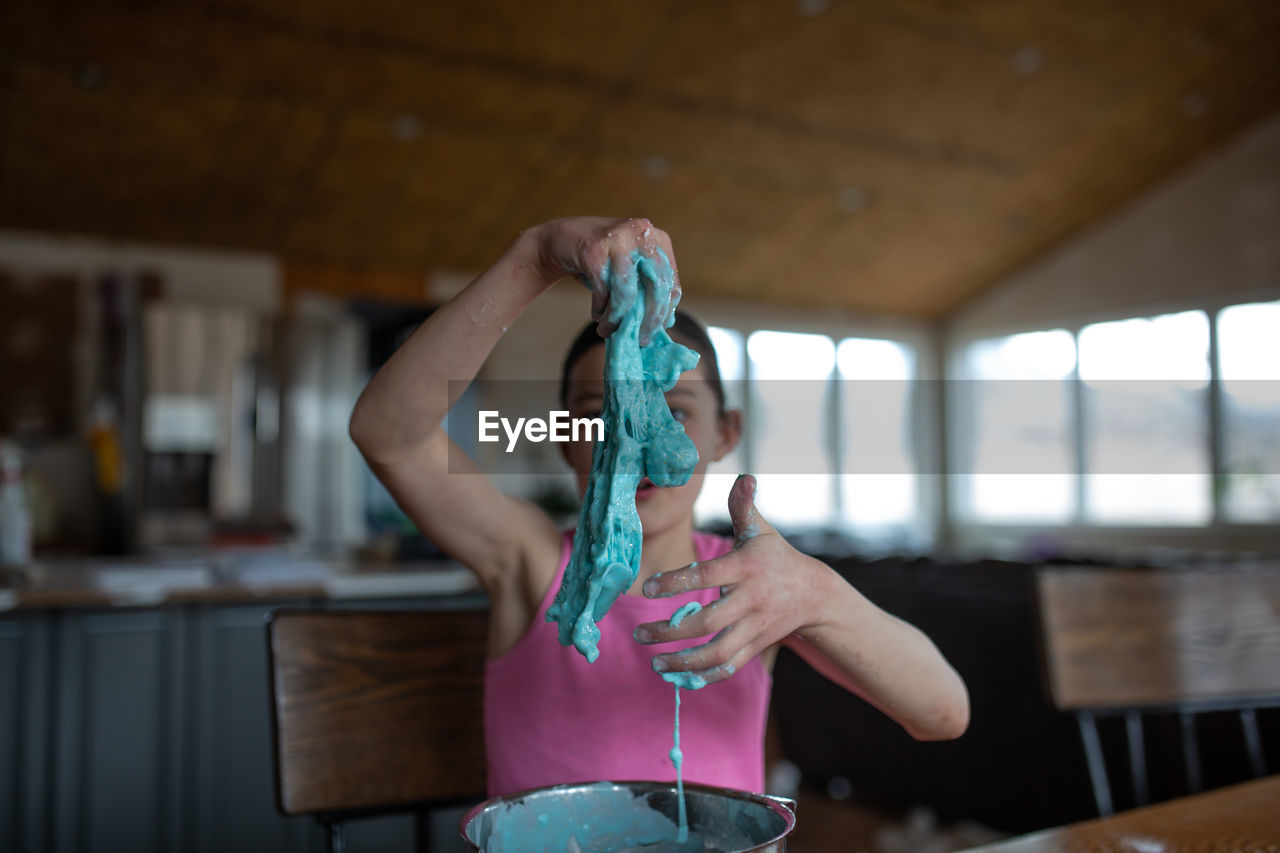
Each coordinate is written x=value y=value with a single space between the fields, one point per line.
x=550 y=717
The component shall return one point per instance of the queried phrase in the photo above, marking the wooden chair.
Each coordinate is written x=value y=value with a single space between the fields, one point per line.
x=376 y=712
x=1134 y=642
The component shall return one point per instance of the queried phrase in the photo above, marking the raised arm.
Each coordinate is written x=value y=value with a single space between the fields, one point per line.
x=773 y=593
x=398 y=421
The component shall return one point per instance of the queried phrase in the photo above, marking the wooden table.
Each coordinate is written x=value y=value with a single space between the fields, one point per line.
x=1239 y=819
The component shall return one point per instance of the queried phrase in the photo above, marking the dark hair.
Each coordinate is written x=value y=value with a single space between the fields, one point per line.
x=685 y=330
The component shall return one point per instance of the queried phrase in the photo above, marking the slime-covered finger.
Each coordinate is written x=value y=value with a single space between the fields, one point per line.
x=621 y=276
x=662 y=293
x=687 y=680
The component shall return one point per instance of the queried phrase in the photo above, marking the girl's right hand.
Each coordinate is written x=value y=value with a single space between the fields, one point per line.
x=613 y=258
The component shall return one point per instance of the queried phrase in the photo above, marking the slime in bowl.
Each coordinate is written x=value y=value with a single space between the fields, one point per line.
x=628 y=817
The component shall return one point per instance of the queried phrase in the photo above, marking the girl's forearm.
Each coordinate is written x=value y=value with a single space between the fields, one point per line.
x=885 y=660
x=406 y=401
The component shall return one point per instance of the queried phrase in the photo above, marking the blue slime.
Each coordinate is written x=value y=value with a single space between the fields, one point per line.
x=641 y=439
x=689 y=681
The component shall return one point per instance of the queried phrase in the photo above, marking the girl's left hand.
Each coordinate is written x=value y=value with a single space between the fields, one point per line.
x=769 y=590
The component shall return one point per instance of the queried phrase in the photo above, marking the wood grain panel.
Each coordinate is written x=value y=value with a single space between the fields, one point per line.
x=1134 y=638
x=600 y=39
x=416 y=137
x=377 y=708
x=855 y=68
x=344 y=283
x=419 y=203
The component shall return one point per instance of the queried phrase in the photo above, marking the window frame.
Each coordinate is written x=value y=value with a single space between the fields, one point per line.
x=1218 y=531
x=922 y=413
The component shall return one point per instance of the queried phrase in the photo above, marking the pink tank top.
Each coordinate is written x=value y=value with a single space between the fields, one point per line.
x=550 y=717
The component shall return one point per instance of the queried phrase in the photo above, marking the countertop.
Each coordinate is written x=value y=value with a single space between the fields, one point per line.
x=224 y=577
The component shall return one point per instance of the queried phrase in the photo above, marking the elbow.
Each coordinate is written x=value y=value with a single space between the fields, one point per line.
x=949 y=720
x=952 y=724
x=360 y=428
x=381 y=441
x=944 y=726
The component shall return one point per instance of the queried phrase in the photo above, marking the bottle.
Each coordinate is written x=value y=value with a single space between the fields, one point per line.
x=109 y=478
x=15 y=515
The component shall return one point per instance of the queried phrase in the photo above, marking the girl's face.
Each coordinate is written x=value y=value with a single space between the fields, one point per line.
x=692 y=402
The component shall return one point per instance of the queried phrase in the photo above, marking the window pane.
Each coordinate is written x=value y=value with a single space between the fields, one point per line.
x=1013 y=409
x=1146 y=420
x=731 y=355
x=731 y=360
x=790 y=382
x=1249 y=368
x=878 y=482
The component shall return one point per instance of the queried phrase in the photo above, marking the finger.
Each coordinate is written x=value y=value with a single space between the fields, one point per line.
x=621 y=279
x=658 y=275
x=658 y=280
x=599 y=300
x=707 y=656
x=712 y=619
x=590 y=261
x=595 y=267
x=710 y=574
x=735 y=663
x=718 y=659
x=676 y=293
x=747 y=521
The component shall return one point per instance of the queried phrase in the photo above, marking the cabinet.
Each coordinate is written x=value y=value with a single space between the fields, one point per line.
x=117 y=704
x=232 y=785
x=149 y=730
x=24 y=730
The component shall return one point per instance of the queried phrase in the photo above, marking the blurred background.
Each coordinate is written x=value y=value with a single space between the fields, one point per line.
x=218 y=218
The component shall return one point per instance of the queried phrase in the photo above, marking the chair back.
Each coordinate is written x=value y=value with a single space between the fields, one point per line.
x=375 y=710
x=1149 y=638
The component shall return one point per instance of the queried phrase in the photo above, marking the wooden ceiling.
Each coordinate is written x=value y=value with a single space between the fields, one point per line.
x=876 y=156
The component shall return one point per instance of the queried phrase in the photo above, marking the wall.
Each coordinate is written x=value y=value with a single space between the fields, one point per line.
x=1207 y=237
x=1211 y=233
x=243 y=279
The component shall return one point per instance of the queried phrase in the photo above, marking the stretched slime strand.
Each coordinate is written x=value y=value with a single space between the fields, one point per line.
x=641 y=439
x=691 y=682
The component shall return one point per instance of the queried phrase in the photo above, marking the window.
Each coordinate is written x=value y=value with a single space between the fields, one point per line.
x=790 y=387
x=813 y=410
x=1249 y=370
x=1013 y=415
x=712 y=502
x=1145 y=420
x=1136 y=427
x=878 y=486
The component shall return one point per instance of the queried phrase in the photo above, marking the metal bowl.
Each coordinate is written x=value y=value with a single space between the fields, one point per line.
x=628 y=817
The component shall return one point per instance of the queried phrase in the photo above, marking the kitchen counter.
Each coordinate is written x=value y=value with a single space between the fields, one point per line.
x=135 y=709
x=226 y=578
